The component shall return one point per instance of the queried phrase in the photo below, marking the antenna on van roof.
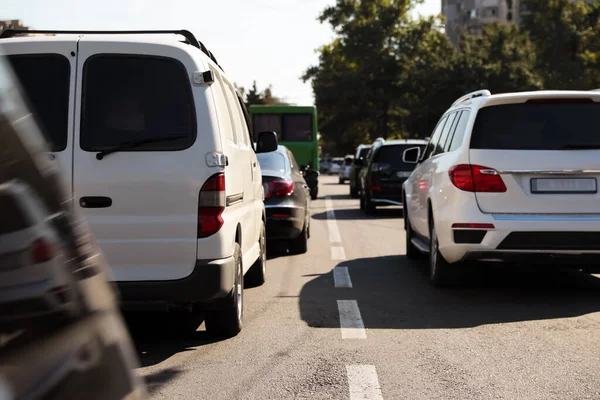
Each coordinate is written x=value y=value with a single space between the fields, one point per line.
x=189 y=36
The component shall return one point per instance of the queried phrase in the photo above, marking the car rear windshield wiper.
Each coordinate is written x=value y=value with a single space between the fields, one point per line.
x=581 y=146
x=130 y=145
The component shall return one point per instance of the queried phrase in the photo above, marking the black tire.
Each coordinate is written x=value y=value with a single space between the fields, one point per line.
x=370 y=207
x=227 y=321
x=299 y=245
x=340 y=181
x=441 y=273
x=362 y=202
x=353 y=192
x=412 y=253
x=257 y=274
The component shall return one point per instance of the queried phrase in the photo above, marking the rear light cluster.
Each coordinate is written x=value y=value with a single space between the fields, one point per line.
x=278 y=188
x=211 y=205
x=41 y=251
x=372 y=185
x=476 y=178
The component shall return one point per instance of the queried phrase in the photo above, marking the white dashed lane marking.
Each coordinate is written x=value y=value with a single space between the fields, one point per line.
x=363 y=382
x=341 y=277
x=351 y=322
x=335 y=240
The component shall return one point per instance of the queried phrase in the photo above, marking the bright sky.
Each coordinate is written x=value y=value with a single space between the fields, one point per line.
x=270 y=41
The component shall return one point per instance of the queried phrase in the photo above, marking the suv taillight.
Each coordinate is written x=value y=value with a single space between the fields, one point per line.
x=211 y=205
x=476 y=178
x=41 y=251
x=278 y=188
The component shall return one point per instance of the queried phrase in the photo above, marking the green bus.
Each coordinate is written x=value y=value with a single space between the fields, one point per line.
x=296 y=128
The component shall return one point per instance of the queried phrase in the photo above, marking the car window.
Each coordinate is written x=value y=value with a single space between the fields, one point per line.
x=363 y=152
x=533 y=126
x=448 y=126
x=273 y=161
x=459 y=132
x=246 y=119
x=390 y=156
x=235 y=114
x=132 y=98
x=434 y=139
x=297 y=128
x=45 y=79
x=267 y=123
x=13 y=218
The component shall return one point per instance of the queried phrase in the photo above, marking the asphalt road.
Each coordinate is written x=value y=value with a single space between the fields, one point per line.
x=505 y=333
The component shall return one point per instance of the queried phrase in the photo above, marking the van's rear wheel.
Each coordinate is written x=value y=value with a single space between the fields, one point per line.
x=227 y=321
x=257 y=274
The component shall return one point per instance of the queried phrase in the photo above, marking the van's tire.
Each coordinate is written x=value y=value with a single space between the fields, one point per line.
x=441 y=273
x=299 y=245
x=227 y=321
x=257 y=274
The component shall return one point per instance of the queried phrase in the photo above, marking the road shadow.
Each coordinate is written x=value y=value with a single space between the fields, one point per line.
x=393 y=293
x=358 y=214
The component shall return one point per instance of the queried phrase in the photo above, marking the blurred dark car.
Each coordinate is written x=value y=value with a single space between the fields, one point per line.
x=357 y=163
x=61 y=334
x=383 y=173
x=287 y=199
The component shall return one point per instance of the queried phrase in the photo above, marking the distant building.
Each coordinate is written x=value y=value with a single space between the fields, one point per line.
x=12 y=24
x=472 y=15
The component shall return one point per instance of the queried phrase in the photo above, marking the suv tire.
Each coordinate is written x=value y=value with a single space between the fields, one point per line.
x=227 y=321
x=441 y=273
x=353 y=192
x=257 y=274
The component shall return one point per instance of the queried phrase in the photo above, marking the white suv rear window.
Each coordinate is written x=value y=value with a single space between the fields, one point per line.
x=133 y=98
x=548 y=125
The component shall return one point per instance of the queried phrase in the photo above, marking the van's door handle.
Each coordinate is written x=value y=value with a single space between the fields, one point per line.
x=95 y=202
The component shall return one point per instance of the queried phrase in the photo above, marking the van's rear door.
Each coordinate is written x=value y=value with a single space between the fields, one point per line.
x=390 y=172
x=141 y=201
x=547 y=152
x=46 y=71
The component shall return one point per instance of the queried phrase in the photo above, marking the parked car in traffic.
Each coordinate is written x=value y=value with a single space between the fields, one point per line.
x=384 y=172
x=361 y=152
x=157 y=141
x=287 y=200
x=336 y=165
x=61 y=334
x=325 y=165
x=507 y=177
x=344 y=173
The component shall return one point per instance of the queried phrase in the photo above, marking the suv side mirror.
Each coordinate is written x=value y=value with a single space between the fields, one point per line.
x=411 y=155
x=267 y=142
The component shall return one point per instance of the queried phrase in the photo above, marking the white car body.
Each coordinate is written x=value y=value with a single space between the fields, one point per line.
x=337 y=164
x=149 y=232
x=514 y=223
x=344 y=173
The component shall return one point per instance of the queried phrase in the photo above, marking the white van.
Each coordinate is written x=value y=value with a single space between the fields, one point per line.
x=157 y=143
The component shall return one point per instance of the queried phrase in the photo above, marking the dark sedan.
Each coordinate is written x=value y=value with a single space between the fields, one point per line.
x=287 y=199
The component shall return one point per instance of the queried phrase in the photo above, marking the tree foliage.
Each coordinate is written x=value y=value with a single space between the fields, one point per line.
x=255 y=97
x=388 y=75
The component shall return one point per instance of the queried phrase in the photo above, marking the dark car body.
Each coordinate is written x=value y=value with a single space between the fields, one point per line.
x=384 y=172
x=287 y=199
x=361 y=152
x=62 y=336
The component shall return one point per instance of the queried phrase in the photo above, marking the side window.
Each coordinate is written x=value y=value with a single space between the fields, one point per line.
x=246 y=119
x=439 y=148
x=459 y=132
x=435 y=138
x=233 y=113
x=136 y=98
x=225 y=122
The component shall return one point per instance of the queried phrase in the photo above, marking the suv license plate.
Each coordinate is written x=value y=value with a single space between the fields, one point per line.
x=564 y=185
x=403 y=174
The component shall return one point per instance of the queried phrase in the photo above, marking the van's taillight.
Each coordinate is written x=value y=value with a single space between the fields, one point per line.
x=476 y=178
x=41 y=251
x=278 y=188
x=211 y=205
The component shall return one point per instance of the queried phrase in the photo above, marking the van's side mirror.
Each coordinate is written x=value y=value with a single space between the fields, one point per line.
x=411 y=155
x=267 y=142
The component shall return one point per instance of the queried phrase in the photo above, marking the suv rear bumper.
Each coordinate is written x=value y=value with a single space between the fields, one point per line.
x=534 y=257
x=210 y=280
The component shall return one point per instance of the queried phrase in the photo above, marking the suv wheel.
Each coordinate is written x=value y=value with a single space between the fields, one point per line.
x=353 y=191
x=340 y=180
x=362 y=202
x=441 y=272
x=300 y=244
x=370 y=207
x=257 y=274
x=227 y=321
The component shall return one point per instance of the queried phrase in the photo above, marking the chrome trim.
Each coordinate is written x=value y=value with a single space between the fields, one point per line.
x=420 y=245
x=549 y=172
x=396 y=203
x=495 y=251
x=234 y=199
x=546 y=217
x=488 y=172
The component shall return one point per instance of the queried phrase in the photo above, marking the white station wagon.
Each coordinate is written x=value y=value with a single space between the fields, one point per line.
x=507 y=177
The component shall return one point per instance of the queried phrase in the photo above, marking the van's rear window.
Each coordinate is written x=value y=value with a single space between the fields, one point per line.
x=127 y=99
x=13 y=219
x=45 y=82
x=392 y=156
x=545 y=126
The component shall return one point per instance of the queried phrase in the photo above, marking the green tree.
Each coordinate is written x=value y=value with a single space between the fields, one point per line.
x=253 y=97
